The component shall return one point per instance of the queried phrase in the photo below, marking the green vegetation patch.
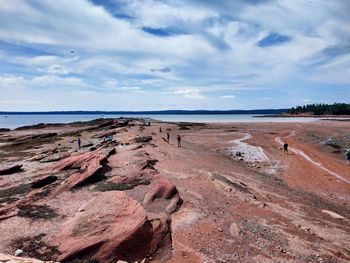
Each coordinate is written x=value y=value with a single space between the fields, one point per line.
x=322 y=109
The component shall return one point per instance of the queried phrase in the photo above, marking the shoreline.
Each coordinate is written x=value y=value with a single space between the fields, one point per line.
x=53 y=120
x=303 y=116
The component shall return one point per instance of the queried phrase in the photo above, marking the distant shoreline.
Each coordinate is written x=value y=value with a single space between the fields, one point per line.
x=162 y=112
x=302 y=116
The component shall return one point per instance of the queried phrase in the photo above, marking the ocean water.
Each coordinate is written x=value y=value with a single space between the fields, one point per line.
x=14 y=121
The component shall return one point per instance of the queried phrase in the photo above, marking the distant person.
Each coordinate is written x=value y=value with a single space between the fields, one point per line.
x=110 y=137
x=347 y=156
x=79 y=143
x=168 y=137
x=160 y=129
x=178 y=140
x=285 y=148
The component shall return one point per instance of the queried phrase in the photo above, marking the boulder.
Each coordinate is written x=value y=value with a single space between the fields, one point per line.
x=163 y=189
x=112 y=226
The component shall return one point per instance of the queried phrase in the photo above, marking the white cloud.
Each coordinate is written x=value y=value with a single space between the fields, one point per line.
x=50 y=81
x=189 y=93
x=111 y=83
x=216 y=54
x=227 y=96
x=57 y=69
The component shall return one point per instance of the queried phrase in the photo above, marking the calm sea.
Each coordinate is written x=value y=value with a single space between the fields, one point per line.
x=14 y=121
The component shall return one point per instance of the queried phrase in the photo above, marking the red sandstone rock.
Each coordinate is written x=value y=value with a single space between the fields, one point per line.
x=160 y=188
x=88 y=164
x=111 y=226
x=13 y=259
x=163 y=188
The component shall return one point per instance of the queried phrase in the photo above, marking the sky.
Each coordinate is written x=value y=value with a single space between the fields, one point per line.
x=173 y=54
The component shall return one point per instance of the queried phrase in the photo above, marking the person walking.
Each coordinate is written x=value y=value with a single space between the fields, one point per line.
x=347 y=156
x=160 y=129
x=178 y=140
x=168 y=137
x=79 y=143
x=285 y=148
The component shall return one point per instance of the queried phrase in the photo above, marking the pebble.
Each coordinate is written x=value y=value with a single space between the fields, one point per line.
x=18 y=252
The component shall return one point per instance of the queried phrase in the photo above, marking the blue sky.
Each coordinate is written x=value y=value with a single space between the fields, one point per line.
x=173 y=54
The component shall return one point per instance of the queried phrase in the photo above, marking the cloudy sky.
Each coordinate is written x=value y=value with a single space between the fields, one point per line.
x=172 y=54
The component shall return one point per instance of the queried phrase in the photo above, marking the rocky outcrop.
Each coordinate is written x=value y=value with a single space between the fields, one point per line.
x=109 y=227
x=87 y=164
x=10 y=169
x=161 y=188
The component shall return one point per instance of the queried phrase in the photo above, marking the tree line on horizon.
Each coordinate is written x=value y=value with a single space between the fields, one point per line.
x=322 y=109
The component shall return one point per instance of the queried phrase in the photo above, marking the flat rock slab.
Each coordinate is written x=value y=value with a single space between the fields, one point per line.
x=112 y=226
x=88 y=164
x=334 y=215
x=54 y=157
x=10 y=169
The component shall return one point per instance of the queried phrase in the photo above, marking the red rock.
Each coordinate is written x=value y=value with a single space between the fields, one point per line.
x=163 y=188
x=88 y=164
x=10 y=169
x=109 y=227
x=160 y=188
x=13 y=259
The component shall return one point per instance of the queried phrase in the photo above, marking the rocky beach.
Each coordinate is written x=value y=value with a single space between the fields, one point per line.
x=127 y=194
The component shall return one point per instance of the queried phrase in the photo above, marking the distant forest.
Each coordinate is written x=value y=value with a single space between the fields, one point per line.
x=322 y=109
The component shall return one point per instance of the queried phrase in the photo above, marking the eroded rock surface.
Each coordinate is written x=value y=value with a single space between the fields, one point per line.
x=110 y=226
x=163 y=203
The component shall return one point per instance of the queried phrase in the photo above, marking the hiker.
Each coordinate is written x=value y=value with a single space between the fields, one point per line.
x=168 y=137
x=347 y=156
x=79 y=143
x=178 y=140
x=110 y=137
x=285 y=148
x=160 y=129
x=104 y=139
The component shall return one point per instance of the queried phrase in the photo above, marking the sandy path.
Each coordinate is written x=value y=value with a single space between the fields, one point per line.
x=310 y=160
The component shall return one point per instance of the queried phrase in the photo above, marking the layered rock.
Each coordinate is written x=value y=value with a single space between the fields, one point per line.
x=163 y=189
x=111 y=226
x=87 y=164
